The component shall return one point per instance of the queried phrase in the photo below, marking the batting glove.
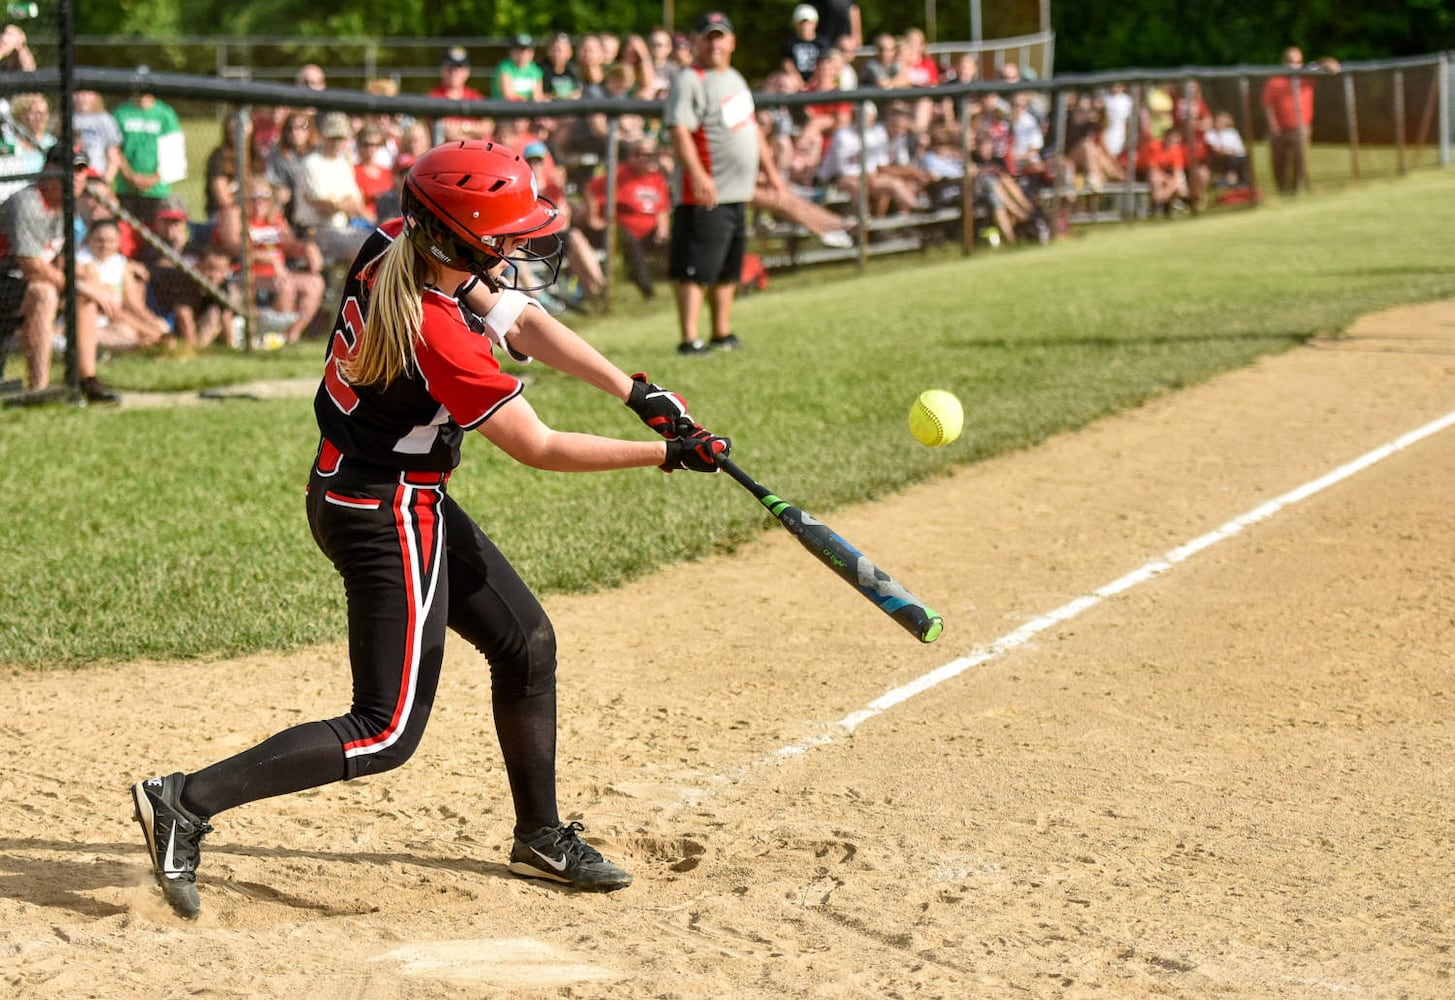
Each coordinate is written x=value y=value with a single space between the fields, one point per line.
x=662 y=410
x=696 y=454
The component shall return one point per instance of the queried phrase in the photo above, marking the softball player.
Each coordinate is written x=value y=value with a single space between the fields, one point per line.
x=410 y=368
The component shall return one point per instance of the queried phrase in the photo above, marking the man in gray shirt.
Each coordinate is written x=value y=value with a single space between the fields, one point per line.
x=714 y=129
x=32 y=279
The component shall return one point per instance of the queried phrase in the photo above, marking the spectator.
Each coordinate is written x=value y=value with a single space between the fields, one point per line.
x=1229 y=153
x=994 y=188
x=15 y=54
x=660 y=46
x=414 y=141
x=711 y=110
x=920 y=70
x=27 y=136
x=518 y=78
x=849 y=164
x=591 y=66
x=1088 y=162
x=330 y=209
x=643 y=211
x=153 y=153
x=129 y=323
x=839 y=19
x=1027 y=133
x=373 y=178
x=783 y=203
x=1162 y=163
x=801 y=50
x=636 y=57
x=559 y=78
x=390 y=126
x=848 y=73
x=610 y=47
x=1288 y=105
x=454 y=86
x=287 y=270
x=1117 y=107
x=32 y=283
x=97 y=133
x=883 y=69
x=820 y=120
x=223 y=175
x=310 y=76
x=195 y=318
x=966 y=69
x=1157 y=113
x=285 y=164
x=681 y=52
x=579 y=253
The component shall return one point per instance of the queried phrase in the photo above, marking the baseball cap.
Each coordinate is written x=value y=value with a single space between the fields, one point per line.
x=535 y=151
x=456 y=55
x=171 y=208
x=522 y=41
x=805 y=12
x=55 y=158
x=715 y=21
x=335 y=125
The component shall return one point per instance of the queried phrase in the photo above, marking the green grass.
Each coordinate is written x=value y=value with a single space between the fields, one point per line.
x=180 y=532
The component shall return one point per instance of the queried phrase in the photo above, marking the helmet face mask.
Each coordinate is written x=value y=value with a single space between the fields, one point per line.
x=463 y=202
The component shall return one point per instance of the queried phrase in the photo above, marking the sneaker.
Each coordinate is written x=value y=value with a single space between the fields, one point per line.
x=839 y=239
x=174 y=840
x=557 y=853
x=728 y=342
x=692 y=348
x=93 y=390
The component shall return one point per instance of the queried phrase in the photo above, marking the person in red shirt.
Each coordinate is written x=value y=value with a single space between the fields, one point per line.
x=373 y=178
x=1290 y=115
x=454 y=72
x=1163 y=163
x=643 y=211
x=284 y=266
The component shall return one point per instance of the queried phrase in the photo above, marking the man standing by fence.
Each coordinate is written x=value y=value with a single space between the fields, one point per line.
x=1288 y=104
x=715 y=137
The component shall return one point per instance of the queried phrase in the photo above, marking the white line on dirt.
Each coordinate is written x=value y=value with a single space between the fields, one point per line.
x=1140 y=575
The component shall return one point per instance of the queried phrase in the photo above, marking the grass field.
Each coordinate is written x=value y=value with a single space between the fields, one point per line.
x=166 y=533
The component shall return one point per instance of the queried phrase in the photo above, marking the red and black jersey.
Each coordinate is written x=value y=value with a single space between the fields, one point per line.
x=415 y=423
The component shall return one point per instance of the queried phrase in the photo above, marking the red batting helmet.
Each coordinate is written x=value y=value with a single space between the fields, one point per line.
x=463 y=200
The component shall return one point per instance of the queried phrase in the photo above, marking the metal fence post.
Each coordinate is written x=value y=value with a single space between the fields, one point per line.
x=1399 y=121
x=1443 y=70
x=1351 y=115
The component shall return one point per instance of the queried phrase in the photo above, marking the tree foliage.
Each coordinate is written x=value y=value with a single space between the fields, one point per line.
x=1089 y=36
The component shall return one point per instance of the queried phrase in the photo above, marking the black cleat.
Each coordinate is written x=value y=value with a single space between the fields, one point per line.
x=693 y=348
x=174 y=840
x=93 y=390
x=727 y=342
x=557 y=853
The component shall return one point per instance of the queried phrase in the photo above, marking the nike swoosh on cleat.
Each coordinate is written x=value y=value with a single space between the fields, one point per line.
x=558 y=866
x=169 y=863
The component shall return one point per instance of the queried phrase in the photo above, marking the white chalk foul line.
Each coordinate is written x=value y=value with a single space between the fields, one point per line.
x=1142 y=574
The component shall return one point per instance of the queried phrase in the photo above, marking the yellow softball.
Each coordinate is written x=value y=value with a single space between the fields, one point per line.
x=936 y=418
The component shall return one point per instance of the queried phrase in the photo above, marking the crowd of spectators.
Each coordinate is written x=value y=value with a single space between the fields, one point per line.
x=315 y=182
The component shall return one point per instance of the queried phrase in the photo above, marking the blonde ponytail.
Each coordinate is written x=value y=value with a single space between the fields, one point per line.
x=385 y=350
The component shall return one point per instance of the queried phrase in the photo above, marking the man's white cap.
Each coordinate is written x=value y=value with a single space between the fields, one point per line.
x=805 y=12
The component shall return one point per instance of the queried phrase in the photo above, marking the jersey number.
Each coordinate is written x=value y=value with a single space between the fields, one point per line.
x=341 y=349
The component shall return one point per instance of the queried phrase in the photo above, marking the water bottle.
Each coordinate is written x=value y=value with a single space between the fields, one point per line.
x=21 y=11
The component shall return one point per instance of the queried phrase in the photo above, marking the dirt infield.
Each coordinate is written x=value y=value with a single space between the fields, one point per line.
x=1231 y=779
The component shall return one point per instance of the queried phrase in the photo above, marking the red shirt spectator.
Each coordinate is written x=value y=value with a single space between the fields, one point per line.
x=642 y=197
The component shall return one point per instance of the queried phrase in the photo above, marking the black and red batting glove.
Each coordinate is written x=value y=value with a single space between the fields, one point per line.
x=699 y=453
x=662 y=410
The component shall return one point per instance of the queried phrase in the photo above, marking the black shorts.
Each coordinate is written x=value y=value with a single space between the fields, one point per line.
x=708 y=243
